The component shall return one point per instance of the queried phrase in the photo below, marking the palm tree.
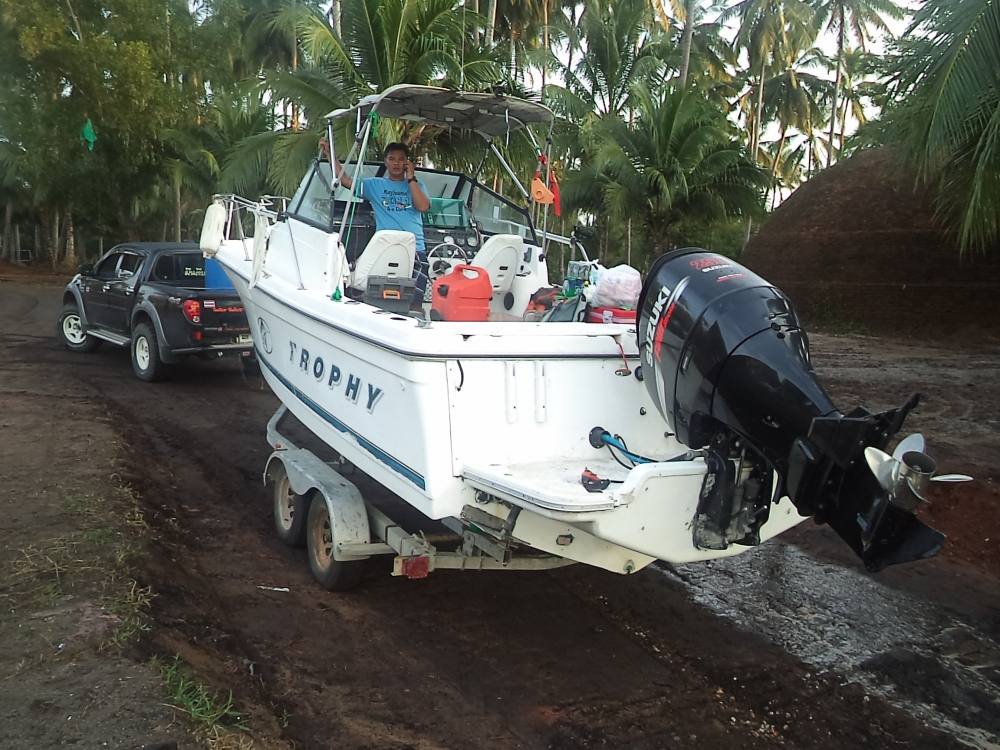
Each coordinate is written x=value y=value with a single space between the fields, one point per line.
x=769 y=31
x=685 y=12
x=382 y=43
x=947 y=112
x=793 y=96
x=617 y=54
x=857 y=19
x=857 y=84
x=678 y=160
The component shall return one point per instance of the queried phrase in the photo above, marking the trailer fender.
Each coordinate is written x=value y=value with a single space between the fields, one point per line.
x=308 y=474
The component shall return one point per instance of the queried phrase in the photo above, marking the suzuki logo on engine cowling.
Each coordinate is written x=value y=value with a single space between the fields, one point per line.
x=663 y=311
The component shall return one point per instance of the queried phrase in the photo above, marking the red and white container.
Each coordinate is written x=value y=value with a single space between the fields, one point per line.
x=610 y=315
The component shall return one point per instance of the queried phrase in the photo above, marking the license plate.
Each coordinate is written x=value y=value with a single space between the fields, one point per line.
x=244 y=338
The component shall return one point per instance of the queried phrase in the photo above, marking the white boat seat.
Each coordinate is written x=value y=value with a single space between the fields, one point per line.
x=501 y=255
x=388 y=253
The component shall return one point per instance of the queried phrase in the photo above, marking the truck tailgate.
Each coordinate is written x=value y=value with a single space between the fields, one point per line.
x=223 y=318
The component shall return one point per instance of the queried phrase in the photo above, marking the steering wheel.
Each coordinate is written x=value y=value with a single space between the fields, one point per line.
x=449 y=250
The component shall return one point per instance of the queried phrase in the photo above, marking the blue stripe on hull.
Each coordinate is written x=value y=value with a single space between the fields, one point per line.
x=393 y=463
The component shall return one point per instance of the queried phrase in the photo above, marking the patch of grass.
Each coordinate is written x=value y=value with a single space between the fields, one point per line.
x=218 y=722
x=94 y=560
x=133 y=613
x=101 y=536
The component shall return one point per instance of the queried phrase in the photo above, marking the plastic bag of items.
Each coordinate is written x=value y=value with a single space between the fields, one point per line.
x=618 y=287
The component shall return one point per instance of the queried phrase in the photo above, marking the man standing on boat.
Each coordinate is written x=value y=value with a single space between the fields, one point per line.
x=397 y=200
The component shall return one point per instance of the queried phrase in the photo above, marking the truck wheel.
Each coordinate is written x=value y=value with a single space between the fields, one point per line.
x=333 y=575
x=146 y=361
x=290 y=510
x=72 y=332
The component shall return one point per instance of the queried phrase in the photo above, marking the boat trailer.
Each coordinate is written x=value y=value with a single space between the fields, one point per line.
x=316 y=506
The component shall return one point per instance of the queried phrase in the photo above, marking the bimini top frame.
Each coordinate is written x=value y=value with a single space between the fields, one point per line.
x=488 y=114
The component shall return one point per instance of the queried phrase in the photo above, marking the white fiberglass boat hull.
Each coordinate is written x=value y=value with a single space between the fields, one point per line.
x=450 y=414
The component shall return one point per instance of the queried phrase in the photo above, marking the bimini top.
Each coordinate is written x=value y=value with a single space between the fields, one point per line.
x=488 y=114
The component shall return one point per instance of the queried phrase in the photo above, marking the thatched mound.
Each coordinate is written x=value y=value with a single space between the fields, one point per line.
x=856 y=247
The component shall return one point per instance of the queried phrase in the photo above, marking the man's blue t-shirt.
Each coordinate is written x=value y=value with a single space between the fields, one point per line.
x=393 y=206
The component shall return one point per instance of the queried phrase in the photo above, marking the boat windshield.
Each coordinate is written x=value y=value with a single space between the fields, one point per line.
x=457 y=202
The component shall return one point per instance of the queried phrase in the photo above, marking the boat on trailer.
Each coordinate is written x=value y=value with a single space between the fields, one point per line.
x=694 y=433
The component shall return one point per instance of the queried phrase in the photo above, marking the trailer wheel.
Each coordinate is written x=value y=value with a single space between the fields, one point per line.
x=333 y=575
x=290 y=510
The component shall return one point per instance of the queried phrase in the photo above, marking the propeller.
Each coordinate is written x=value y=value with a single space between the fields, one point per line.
x=914 y=442
x=908 y=472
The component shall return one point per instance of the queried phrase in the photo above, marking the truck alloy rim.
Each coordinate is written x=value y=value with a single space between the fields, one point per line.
x=142 y=352
x=73 y=329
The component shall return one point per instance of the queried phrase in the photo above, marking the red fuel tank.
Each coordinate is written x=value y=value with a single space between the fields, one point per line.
x=464 y=294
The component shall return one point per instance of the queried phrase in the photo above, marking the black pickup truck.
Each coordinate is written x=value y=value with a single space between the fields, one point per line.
x=162 y=300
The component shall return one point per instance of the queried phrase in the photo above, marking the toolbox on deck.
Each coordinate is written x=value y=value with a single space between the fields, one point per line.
x=390 y=293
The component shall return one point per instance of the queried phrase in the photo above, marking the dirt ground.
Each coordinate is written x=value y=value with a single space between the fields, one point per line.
x=789 y=646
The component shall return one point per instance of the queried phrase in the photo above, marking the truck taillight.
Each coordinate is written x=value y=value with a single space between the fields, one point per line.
x=192 y=310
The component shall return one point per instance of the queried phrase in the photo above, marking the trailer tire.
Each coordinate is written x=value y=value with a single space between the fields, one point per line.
x=333 y=575
x=290 y=509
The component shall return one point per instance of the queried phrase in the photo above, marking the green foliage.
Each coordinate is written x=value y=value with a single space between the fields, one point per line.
x=678 y=160
x=947 y=112
x=231 y=96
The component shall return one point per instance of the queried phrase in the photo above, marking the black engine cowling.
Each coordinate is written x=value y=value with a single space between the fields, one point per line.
x=727 y=363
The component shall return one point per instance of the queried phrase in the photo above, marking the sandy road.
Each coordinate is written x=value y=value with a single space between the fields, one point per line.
x=790 y=645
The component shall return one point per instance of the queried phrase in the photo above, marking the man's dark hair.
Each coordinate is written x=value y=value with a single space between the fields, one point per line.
x=396 y=147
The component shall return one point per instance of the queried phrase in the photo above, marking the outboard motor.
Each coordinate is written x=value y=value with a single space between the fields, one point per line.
x=727 y=363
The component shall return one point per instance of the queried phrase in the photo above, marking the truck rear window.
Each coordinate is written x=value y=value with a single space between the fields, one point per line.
x=181 y=269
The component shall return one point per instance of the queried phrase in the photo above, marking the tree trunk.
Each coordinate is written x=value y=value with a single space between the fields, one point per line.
x=843 y=122
x=69 y=259
x=686 y=37
x=177 y=208
x=43 y=233
x=628 y=244
x=335 y=16
x=17 y=243
x=8 y=243
x=574 y=23
x=836 y=84
x=491 y=21
x=774 y=164
x=545 y=42
x=758 y=115
x=54 y=240
x=295 y=66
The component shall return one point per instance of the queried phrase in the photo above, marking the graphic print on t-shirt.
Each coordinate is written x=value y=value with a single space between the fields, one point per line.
x=393 y=206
